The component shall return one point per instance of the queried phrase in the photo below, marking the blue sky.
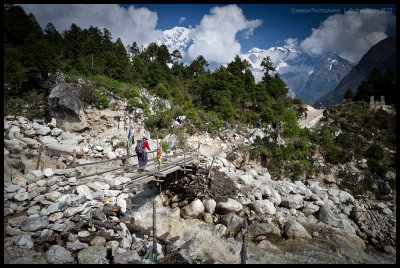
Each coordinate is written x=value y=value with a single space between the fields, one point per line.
x=313 y=27
x=279 y=20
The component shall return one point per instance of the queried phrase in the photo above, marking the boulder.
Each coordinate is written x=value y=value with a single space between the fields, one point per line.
x=194 y=209
x=384 y=187
x=76 y=246
x=128 y=257
x=263 y=207
x=59 y=255
x=98 y=241
x=295 y=230
x=65 y=105
x=207 y=217
x=228 y=206
x=209 y=205
x=233 y=222
x=328 y=215
x=91 y=254
x=84 y=190
x=292 y=201
x=34 y=176
x=34 y=223
x=56 y=132
x=43 y=131
x=23 y=241
x=266 y=229
x=310 y=209
x=48 y=172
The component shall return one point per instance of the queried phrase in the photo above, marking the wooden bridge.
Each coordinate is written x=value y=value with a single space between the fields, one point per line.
x=154 y=170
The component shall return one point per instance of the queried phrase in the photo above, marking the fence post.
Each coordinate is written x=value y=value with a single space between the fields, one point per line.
x=198 y=154
x=209 y=170
x=184 y=152
x=154 y=231
x=244 y=237
x=40 y=154
x=74 y=158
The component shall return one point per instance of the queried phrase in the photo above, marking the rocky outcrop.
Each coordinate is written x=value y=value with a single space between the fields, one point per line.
x=65 y=104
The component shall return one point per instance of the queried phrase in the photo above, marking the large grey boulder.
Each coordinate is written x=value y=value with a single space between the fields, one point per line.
x=264 y=207
x=65 y=104
x=91 y=254
x=233 y=222
x=292 y=201
x=34 y=223
x=128 y=257
x=194 y=209
x=228 y=206
x=59 y=255
x=328 y=215
x=294 y=230
x=266 y=229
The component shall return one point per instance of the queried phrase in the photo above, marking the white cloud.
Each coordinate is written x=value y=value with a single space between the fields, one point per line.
x=182 y=19
x=215 y=37
x=132 y=24
x=350 y=35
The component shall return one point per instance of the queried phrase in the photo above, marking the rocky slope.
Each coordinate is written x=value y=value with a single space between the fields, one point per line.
x=50 y=215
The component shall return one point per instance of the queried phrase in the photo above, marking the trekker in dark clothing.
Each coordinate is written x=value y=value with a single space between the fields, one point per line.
x=258 y=123
x=141 y=151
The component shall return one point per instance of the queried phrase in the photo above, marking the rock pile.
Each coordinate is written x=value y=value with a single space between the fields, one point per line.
x=281 y=209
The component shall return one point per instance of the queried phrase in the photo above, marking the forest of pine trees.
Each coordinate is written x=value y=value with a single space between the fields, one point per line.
x=31 y=53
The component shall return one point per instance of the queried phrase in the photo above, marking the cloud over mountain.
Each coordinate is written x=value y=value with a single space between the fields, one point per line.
x=215 y=37
x=351 y=34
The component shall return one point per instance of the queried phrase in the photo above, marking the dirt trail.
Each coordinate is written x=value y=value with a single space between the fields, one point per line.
x=312 y=113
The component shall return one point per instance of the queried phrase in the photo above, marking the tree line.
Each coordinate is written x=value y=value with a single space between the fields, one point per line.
x=230 y=92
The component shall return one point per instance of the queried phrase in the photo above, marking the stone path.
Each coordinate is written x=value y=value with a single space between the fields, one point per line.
x=314 y=115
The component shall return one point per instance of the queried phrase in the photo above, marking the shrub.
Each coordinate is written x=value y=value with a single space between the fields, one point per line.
x=344 y=139
x=376 y=152
x=159 y=120
x=165 y=146
x=289 y=125
x=349 y=95
x=104 y=101
x=161 y=91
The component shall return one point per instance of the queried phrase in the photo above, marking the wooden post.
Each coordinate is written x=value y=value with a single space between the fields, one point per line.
x=209 y=170
x=244 y=237
x=74 y=158
x=157 y=145
x=198 y=155
x=40 y=154
x=154 y=231
x=198 y=150
x=125 y=165
x=184 y=151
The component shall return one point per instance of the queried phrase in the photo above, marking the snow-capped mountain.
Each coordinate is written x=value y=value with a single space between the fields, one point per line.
x=307 y=76
x=177 y=38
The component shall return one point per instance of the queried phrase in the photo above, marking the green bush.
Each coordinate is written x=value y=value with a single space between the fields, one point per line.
x=375 y=151
x=165 y=146
x=344 y=139
x=289 y=123
x=104 y=101
x=159 y=120
x=161 y=91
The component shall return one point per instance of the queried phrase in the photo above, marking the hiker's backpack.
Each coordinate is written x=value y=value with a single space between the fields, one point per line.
x=139 y=147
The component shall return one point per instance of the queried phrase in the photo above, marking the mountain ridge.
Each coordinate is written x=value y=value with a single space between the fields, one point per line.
x=381 y=56
x=305 y=74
